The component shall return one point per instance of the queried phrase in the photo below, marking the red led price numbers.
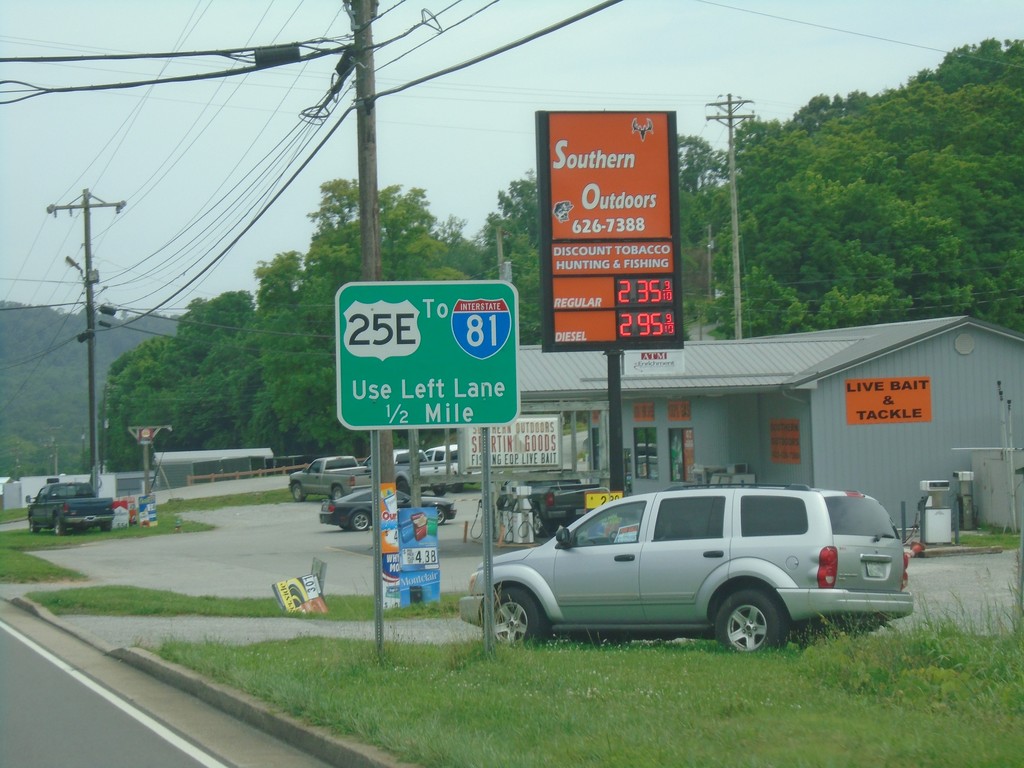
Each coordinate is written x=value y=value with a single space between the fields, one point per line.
x=645 y=325
x=643 y=291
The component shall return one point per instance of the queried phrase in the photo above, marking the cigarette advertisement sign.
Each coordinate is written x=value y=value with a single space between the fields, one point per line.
x=610 y=265
x=300 y=595
x=419 y=577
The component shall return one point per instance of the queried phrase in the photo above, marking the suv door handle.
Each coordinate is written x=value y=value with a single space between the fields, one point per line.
x=625 y=558
x=714 y=553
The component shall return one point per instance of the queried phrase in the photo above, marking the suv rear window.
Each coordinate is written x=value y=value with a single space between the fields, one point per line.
x=859 y=516
x=772 y=516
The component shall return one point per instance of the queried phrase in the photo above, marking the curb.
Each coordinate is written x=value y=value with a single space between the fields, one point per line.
x=958 y=550
x=315 y=741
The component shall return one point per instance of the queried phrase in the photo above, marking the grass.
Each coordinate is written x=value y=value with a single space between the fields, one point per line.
x=136 y=601
x=933 y=696
x=990 y=537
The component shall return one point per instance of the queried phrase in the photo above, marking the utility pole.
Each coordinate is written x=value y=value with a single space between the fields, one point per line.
x=731 y=116
x=362 y=13
x=90 y=277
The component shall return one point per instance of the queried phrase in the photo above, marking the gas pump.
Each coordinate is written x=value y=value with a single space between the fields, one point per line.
x=936 y=519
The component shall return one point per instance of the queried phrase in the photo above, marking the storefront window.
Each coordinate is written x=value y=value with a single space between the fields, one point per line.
x=645 y=444
x=680 y=450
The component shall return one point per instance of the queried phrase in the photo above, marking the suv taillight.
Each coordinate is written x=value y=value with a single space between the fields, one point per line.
x=906 y=565
x=828 y=567
x=549 y=499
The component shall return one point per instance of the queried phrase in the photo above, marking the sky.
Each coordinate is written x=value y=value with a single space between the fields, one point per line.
x=196 y=161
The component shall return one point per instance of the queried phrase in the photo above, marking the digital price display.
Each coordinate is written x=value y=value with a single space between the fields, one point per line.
x=643 y=291
x=610 y=265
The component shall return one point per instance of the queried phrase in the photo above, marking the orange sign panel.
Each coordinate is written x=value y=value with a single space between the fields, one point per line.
x=785 y=438
x=582 y=293
x=609 y=235
x=678 y=410
x=583 y=327
x=643 y=411
x=612 y=170
x=902 y=400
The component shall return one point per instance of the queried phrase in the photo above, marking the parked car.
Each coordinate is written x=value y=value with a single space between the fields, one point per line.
x=355 y=510
x=746 y=563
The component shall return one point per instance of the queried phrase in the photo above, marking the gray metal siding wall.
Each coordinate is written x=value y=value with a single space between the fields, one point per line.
x=888 y=461
x=794 y=405
x=709 y=419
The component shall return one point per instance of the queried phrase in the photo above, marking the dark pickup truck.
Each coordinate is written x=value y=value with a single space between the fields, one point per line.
x=61 y=506
x=559 y=502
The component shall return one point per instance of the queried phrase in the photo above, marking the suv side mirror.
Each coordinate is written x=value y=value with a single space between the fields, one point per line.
x=564 y=537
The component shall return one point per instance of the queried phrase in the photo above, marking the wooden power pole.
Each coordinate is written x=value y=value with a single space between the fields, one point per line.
x=90 y=277
x=731 y=116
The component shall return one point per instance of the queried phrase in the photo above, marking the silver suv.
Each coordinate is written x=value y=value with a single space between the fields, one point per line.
x=749 y=562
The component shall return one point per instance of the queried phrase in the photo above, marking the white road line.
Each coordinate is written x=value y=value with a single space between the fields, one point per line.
x=141 y=717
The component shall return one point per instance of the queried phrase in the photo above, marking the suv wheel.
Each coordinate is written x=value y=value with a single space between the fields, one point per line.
x=360 y=520
x=749 y=621
x=402 y=485
x=517 y=617
x=297 y=492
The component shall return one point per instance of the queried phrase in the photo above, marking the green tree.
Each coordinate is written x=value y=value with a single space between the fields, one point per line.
x=518 y=220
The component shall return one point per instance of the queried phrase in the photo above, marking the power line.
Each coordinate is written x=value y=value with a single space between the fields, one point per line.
x=30 y=91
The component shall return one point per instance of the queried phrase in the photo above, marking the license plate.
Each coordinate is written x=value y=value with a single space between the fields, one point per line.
x=875 y=570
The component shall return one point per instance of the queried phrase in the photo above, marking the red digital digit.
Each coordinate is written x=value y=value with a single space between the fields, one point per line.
x=622 y=288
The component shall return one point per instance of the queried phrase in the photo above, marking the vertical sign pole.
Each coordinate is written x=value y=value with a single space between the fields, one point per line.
x=488 y=535
x=616 y=470
x=378 y=554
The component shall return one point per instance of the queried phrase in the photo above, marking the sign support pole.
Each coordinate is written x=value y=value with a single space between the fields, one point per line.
x=616 y=470
x=488 y=536
x=378 y=553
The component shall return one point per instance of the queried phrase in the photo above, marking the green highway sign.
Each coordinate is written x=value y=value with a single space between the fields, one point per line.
x=427 y=354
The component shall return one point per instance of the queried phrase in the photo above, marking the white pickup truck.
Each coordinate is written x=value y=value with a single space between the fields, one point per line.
x=433 y=474
x=330 y=476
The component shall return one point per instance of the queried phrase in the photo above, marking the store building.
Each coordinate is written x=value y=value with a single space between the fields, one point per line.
x=876 y=409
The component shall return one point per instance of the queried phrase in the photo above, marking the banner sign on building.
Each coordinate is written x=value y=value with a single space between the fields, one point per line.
x=903 y=400
x=611 y=271
x=785 y=440
x=529 y=442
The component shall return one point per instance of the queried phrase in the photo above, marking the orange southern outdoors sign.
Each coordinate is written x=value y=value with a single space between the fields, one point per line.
x=889 y=401
x=610 y=267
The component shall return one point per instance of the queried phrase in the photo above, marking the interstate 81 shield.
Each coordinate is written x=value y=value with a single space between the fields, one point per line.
x=481 y=327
